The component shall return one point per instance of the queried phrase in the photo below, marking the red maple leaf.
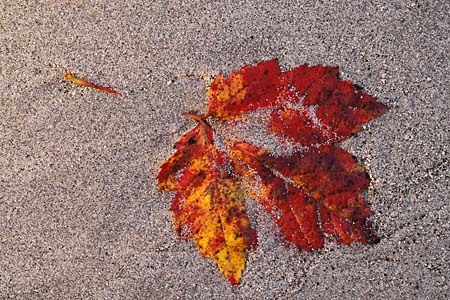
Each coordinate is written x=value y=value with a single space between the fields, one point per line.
x=313 y=193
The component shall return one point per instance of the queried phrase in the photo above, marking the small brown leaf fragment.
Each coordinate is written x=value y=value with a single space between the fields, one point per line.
x=72 y=78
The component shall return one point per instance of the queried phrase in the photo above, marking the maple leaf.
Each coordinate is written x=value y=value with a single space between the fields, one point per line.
x=312 y=194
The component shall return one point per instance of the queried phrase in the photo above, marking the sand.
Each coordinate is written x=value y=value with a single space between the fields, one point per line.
x=80 y=214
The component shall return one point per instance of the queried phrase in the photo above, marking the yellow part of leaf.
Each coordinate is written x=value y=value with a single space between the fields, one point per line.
x=225 y=92
x=219 y=209
x=209 y=206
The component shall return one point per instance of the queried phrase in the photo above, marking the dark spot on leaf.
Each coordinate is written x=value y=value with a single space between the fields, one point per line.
x=191 y=141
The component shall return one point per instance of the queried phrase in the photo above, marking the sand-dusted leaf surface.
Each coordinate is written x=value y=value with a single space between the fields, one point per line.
x=312 y=193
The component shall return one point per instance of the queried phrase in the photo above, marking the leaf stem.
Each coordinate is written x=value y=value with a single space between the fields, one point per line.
x=197 y=118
